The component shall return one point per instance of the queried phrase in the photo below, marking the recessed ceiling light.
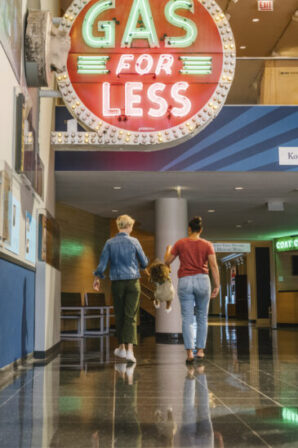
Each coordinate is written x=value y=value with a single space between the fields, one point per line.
x=115 y=211
x=239 y=226
x=117 y=188
x=255 y=20
x=238 y=188
x=243 y=47
x=249 y=221
x=211 y=211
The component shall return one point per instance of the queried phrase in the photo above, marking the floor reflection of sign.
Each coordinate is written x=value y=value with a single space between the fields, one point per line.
x=30 y=252
x=232 y=247
x=14 y=224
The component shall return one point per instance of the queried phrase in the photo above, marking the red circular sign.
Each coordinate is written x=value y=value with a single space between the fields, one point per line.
x=147 y=68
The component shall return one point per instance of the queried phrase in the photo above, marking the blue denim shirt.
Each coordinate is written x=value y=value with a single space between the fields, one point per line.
x=125 y=255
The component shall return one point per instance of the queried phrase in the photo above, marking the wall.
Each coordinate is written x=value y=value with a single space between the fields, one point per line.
x=16 y=312
x=82 y=238
x=49 y=295
x=279 y=83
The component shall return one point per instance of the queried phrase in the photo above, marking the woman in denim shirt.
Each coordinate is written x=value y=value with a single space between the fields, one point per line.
x=125 y=256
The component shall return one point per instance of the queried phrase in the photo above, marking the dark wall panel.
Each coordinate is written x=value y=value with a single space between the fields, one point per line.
x=17 y=300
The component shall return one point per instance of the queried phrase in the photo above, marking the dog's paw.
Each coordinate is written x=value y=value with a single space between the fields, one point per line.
x=156 y=304
x=168 y=310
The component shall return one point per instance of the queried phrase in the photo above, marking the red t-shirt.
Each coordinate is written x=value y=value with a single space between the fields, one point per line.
x=193 y=256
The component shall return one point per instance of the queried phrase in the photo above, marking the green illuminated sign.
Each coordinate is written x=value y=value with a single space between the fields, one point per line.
x=71 y=248
x=290 y=415
x=196 y=65
x=108 y=27
x=146 y=31
x=287 y=243
x=181 y=22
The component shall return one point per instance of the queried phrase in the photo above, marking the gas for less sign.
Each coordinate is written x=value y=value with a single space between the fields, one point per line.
x=146 y=72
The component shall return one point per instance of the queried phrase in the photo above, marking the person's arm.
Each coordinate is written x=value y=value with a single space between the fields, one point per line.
x=99 y=272
x=215 y=275
x=141 y=255
x=169 y=257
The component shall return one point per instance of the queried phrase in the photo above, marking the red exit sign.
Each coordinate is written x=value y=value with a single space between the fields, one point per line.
x=265 y=5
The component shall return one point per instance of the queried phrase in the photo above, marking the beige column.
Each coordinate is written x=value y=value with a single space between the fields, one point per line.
x=170 y=225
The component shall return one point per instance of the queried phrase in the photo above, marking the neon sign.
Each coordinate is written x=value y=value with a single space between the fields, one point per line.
x=286 y=244
x=146 y=72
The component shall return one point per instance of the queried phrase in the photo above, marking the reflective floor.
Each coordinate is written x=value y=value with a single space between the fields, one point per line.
x=245 y=394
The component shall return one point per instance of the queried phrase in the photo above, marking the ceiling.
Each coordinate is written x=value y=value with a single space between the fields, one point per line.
x=275 y=34
x=94 y=192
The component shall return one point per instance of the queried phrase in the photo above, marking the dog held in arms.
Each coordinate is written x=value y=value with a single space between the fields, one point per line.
x=164 y=292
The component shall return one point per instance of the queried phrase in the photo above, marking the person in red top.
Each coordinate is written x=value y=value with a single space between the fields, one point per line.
x=196 y=255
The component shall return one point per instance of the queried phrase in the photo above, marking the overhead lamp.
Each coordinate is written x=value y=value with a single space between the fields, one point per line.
x=238 y=226
x=117 y=188
x=115 y=211
x=211 y=211
x=238 y=188
x=275 y=206
x=243 y=47
x=255 y=20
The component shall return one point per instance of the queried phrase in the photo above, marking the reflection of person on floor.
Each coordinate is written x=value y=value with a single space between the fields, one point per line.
x=196 y=430
x=127 y=431
x=127 y=427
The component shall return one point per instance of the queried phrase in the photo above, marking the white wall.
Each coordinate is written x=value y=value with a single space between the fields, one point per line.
x=48 y=279
x=7 y=85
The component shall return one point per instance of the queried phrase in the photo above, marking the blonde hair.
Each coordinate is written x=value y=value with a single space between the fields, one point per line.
x=124 y=221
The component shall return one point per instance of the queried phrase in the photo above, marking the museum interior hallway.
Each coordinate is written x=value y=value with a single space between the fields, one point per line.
x=244 y=394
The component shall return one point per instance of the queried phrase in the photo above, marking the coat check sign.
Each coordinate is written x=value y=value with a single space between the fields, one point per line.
x=147 y=72
x=265 y=5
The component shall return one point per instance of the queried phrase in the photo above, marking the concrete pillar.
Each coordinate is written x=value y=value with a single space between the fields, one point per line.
x=170 y=225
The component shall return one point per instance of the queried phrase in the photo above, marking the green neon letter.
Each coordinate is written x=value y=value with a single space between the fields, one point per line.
x=146 y=30
x=107 y=27
x=181 y=22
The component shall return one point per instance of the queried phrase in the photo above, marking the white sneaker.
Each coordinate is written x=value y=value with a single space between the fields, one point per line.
x=121 y=353
x=130 y=356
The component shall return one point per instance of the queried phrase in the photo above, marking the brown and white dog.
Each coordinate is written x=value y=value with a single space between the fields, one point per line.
x=164 y=292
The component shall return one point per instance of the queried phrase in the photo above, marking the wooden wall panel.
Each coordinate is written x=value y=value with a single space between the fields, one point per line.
x=82 y=238
x=279 y=83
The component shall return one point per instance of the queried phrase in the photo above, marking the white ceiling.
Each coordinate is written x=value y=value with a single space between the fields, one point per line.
x=93 y=192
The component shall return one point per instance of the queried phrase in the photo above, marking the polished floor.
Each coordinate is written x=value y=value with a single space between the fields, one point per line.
x=245 y=394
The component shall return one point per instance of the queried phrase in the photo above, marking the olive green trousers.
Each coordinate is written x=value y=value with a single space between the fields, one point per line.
x=126 y=299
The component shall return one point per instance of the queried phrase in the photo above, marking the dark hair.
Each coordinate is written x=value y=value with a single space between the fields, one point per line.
x=196 y=224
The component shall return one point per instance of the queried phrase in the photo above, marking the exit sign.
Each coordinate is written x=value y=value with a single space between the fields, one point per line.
x=265 y=5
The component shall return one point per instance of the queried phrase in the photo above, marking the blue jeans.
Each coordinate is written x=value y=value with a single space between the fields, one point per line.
x=194 y=290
